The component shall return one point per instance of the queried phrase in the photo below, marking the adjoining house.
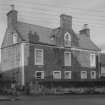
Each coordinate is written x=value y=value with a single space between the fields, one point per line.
x=102 y=65
x=31 y=53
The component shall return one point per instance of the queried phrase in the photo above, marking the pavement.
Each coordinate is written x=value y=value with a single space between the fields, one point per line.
x=4 y=98
x=54 y=100
x=8 y=98
x=47 y=97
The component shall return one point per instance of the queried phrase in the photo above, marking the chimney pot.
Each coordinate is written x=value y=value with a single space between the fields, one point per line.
x=12 y=7
x=85 y=26
x=85 y=30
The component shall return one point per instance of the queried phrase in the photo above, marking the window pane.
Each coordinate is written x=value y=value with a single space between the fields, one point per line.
x=57 y=75
x=39 y=75
x=38 y=56
x=14 y=38
x=93 y=74
x=67 y=39
x=67 y=58
x=83 y=75
x=102 y=71
x=67 y=74
x=92 y=60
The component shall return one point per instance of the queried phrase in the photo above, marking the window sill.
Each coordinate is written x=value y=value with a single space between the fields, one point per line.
x=39 y=64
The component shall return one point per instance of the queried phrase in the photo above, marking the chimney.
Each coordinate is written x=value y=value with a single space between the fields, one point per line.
x=12 y=17
x=85 y=30
x=66 y=21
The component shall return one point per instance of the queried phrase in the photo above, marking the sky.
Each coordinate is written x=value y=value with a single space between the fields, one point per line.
x=46 y=13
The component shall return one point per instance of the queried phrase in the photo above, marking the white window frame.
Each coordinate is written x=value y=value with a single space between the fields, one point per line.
x=82 y=76
x=42 y=58
x=92 y=61
x=14 y=36
x=69 y=74
x=56 y=77
x=42 y=75
x=69 y=36
x=93 y=77
x=67 y=42
x=69 y=64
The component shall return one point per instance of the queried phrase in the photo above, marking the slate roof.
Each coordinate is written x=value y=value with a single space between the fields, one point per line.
x=45 y=36
x=86 y=43
x=43 y=32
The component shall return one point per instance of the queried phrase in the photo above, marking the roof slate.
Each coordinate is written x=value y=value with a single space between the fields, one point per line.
x=43 y=32
x=45 y=36
x=86 y=43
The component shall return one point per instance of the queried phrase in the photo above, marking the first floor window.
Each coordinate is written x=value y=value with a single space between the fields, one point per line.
x=92 y=60
x=15 y=38
x=39 y=74
x=38 y=56
x=67 y=58
x=83 y=74
x=103 y=71
x=67 y=74
x=56 y=74
x=93 y=74
x=67 y=39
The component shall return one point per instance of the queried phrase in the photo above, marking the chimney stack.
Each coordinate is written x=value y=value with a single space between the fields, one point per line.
x=66 y=21
x=85 y=31
x=12 y=16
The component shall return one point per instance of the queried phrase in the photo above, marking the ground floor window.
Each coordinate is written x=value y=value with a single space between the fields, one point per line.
x=103 y=71
x=39 y=74
x=93 y=74
x=83 y=74
x=67 y=74
x=56 y=74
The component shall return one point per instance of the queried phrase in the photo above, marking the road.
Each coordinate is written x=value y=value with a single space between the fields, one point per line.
x=58 y=100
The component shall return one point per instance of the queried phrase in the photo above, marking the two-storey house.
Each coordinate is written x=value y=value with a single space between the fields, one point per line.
x=31 y=52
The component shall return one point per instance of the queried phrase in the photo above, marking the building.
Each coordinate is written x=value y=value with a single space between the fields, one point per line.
x=102 y=64
x=32 y=53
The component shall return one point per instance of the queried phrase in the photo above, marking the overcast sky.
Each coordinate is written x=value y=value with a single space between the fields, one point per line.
x=46 y=13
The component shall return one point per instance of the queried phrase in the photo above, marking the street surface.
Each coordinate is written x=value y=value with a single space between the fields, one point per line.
x=58 y=100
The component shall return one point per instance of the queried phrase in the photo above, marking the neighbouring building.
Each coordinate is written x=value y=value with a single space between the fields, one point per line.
x=102 y=64
x=30 y=52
